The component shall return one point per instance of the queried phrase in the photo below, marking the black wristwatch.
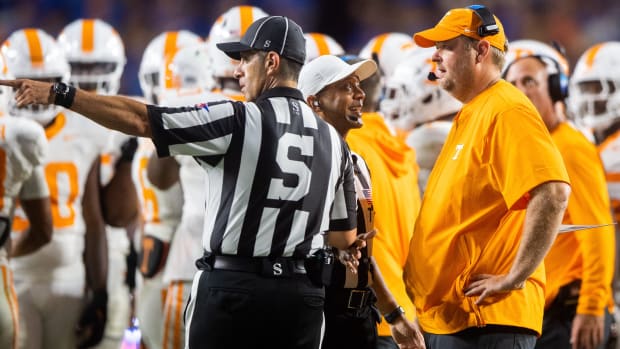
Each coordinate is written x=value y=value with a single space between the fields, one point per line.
x=63 y=94
x=391 y=317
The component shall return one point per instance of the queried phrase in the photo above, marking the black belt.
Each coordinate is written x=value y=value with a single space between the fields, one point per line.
x=349 y=299
x=266 y=266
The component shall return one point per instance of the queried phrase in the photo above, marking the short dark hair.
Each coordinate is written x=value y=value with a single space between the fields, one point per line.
x=289 y=69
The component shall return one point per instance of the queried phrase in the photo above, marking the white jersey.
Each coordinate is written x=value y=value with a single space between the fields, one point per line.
x=23 y=148
x=609 y=151
x=111 y=155
x=427 y=141
x=75 y=143
x=187 y=241
x=160 y=209
x=186 y=244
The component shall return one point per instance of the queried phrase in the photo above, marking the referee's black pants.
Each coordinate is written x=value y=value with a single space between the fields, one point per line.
x=230 y=309
x=350 y=321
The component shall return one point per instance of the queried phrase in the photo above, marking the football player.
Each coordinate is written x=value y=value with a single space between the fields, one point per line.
x=51 y=282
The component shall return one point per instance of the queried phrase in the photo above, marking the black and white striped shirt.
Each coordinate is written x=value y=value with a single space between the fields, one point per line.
x=278 y=175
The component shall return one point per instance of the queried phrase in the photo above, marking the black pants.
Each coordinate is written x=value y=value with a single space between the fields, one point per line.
x=349 y=327
x=231 y=310
x=488 y=337
x=558 y=320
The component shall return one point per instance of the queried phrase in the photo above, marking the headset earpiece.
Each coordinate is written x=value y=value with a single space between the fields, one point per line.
x=316 y=103
x=488 y=26
x=558 y=84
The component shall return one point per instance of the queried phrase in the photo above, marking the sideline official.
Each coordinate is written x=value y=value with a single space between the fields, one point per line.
x=279 y=178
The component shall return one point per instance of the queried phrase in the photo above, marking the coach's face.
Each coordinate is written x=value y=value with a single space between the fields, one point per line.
x=530 y=75
x=455 y=61
x=340 y=104
x=252 y=74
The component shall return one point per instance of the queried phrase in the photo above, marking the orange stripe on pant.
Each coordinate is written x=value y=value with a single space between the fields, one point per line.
x=173 y=313
x=11 y=297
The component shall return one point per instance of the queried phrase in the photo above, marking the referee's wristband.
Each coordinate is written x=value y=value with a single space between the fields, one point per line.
x=391 y=317
x=63 y=94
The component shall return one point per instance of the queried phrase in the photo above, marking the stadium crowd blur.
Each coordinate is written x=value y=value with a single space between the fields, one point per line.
x=574 y=24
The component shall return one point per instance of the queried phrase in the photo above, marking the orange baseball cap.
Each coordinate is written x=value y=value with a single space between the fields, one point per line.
x=460 y=21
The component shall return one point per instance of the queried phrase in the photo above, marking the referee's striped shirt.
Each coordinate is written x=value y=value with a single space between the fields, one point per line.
x=278 y=175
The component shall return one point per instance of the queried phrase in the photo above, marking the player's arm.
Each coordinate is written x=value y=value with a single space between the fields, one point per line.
x=116 y=112
x=39 y=214
x=120 y=197
x=162 y=172
x=35 y=201
x=96 y=256
x=92 y=320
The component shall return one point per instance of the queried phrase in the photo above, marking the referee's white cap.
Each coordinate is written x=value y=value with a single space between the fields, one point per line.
x=327 y=69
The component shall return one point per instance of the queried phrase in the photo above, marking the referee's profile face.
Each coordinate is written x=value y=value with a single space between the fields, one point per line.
x=252 y=73
x=340 y=104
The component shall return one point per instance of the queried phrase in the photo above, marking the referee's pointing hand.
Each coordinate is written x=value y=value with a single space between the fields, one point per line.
x=28 y=92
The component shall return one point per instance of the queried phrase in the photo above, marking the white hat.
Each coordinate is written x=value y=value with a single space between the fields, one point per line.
x=327 y=69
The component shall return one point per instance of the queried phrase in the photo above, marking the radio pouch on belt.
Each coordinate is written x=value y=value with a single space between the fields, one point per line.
x=319 y=267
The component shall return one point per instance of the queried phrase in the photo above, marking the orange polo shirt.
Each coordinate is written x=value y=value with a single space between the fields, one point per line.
x=586 y=255
x=473 y=211
x=396 y=199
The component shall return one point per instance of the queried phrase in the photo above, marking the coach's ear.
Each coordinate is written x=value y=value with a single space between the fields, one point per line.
x=272 y=62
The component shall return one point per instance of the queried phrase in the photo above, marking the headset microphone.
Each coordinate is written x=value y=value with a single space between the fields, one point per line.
x=431 y=76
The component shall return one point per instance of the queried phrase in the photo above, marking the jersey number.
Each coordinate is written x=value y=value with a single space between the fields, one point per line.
x=62 y=179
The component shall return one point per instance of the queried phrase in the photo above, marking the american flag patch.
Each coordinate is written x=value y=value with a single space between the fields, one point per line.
x=202 y=106
x=367 y=194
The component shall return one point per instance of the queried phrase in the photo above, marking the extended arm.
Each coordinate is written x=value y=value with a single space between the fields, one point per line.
x=116 y=112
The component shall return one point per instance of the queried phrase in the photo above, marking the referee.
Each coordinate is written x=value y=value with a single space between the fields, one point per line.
x=280 y=184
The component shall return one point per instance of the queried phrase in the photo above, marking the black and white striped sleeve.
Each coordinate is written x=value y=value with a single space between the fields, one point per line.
x=200 y=130
x=343 y=215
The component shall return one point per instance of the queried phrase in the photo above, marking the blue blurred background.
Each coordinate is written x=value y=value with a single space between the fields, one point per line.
x=574 y=24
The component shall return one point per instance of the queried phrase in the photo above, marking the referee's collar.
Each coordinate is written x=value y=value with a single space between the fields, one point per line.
x=281 y=92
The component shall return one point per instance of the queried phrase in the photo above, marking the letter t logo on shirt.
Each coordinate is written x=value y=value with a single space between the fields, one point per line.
x=459 y=147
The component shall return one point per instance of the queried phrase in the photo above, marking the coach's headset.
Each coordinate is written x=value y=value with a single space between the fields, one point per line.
x=556 y=81
x=488 y=26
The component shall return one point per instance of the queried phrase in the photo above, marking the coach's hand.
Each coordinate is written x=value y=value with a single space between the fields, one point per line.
x=587 y=332
x=28 y=92
x=90 y=329
x=485 y=285
x=407 y=334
